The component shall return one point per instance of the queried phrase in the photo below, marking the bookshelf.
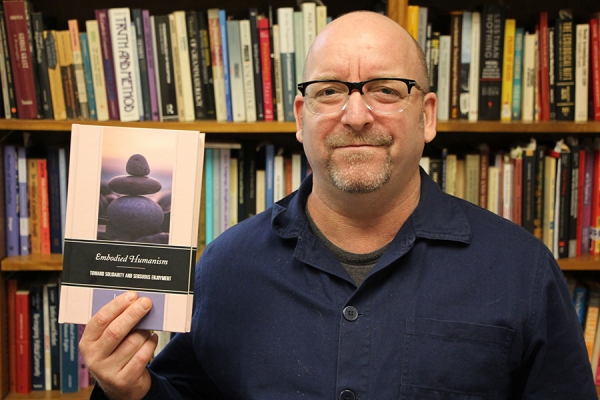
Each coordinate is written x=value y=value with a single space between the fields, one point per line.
x=447 y=131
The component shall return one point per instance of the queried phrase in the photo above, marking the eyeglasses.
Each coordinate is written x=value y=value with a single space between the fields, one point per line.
x=382 y=95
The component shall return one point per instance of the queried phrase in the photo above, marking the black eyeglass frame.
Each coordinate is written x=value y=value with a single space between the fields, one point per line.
x=352 y=86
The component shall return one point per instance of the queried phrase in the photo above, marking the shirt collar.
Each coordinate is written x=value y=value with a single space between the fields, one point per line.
x=437 y=216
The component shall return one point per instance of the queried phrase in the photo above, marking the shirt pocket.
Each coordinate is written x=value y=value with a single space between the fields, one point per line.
x=453 y=360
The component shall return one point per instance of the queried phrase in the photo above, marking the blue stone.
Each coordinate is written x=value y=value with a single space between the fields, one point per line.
x=137 y=165
x=136 y=215
x=134 y=185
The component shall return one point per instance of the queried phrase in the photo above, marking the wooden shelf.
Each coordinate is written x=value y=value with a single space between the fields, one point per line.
x=210 y=126
x=83 y=394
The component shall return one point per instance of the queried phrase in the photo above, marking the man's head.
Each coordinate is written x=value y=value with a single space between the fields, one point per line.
x=363 y=147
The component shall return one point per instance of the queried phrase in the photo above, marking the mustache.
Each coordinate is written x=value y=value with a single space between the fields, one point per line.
x=345 y=139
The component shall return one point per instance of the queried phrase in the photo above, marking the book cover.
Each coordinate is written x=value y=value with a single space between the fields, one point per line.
x=257 y=60
x=236 y=78
x=165 y=73
x=18 y=38
x=264 y=34
x=107 y=62
x=41 y=62
x=123 y=42
x=132 y=222
x=248 y=70
x=490 y=71
x=22 y=174
x=97 y=70
x=285 y=20
x=78 y=67
x=218 y=70
x=11 y=199
x=69 y=365
x=140 y=45
x=564 y=81
x=87 y=73
x=151 y=65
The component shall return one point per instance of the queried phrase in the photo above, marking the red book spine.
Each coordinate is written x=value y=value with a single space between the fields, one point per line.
x=544 y=62
x=17 y=33
x=595 y=66
x=265 y=64
x=23 y=343
x=44 y=205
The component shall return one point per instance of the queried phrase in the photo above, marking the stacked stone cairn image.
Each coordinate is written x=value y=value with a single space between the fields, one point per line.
x=126 y=214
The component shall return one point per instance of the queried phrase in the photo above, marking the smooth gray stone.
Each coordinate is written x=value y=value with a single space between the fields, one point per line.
x=134 y=185
x=136 y=215
x=137 y=165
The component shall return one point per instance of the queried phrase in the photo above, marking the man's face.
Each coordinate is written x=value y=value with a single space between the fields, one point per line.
x=359 y=150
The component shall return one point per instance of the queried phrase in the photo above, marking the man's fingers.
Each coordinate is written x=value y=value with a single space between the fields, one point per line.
x=100 y=321
x=142 y=356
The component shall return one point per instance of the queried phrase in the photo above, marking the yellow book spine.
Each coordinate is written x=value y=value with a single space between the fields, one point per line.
x=507 y=69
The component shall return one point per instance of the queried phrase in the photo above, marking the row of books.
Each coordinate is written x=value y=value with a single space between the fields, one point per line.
x=552 y=190
x=242 y=180
x=485 y=67
x=35 y=187
x=43 y=354
x=586 y=299
x=129 y=65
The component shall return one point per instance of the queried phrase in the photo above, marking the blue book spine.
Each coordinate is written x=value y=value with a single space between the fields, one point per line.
x=38 y=372
x=54 y=200
x=208 y=194
x=269 y=174
x=226 y=76
x=25 y=240
x=69 y=363
x=52 y=289
x=580 y=300
x=517 y=92
x=87 y=70
x=11 y=200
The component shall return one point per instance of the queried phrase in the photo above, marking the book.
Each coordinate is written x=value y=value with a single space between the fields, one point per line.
x=564 y=85
x=218 y=71
x=140 y=46
x=55 y=203
x=586 y=185
x=298 y=19
x=490 y=72
x=248 y=70
x=6 y=79
x=591 y=317
x=149 y=227
x=543 y=68
x=225 y=54
x=179 y=29
x=11 y=199
x=517 y=84
x=69 y=360
x=508 y=63
x=151 y=65
x=123 y=42
x=594 y=69
x=41 y=63
x=97 y=70
x=18 y=38
x=529 y=76
x=51 y=291
x=23 y=340
x=22 y=174
x=474 y=66
x=195 y=59
x=265 y=65
x=165 y=75
x=581 y=71
x=465 y=63
x=236 y=78
x=285 y=20
x=78 y=66
x=67 y=73
x=206 y=63
x=34 y=206
x=11 y=303
x=44 y=206
x=256 y=63
x=180 y=99
x=87 y=72
x=456 y=19
x=277 y=76
x=309 y=12
x=36 y=304
x=107 y=62
x=443 y=83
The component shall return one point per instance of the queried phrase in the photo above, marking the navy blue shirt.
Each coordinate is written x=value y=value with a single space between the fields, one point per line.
x=462 y=305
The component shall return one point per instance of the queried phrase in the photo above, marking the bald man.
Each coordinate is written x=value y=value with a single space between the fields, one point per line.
x=368 y=282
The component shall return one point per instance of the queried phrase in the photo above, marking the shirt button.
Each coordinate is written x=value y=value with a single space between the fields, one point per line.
x=347 y=395
x=350 y=313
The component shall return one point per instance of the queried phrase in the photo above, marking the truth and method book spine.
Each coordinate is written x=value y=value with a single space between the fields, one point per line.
x=137 y=232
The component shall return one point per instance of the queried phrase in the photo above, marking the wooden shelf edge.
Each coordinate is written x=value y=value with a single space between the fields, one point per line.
x=50 y=262
x=209 y=126
x=84 y=393
x=567 y=127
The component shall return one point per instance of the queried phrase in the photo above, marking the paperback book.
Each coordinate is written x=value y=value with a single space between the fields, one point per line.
x=132 y=222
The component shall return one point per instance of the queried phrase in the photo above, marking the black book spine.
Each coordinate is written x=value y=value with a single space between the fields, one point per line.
x=564 y=50
x=41 y=62
x=258 y=89
x=165 y=73
x=490 y=71
x=136 y=16
x=206 y=66
x=193 y=35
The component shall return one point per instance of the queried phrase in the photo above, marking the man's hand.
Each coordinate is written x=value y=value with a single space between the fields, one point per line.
x=116 y=355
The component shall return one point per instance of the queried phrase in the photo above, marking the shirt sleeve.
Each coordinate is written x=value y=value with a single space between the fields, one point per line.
x=555 y=363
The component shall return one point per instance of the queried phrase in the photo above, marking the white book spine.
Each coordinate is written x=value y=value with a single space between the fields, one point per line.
x=529 y=77
x=4 y=81
x=296 y=171
x=320 y=17
x=278 y=178
x=443 y=86
x=187 y=114
x=138 y=80
x=248 y=70
x=277 y=73
x=122 y=41
x=91 y=27
x=285 y=18
x=299 y=44
x=309 y=11
x=156 y=77
x=236 y=79
x=422 y=31
x=474 y=68
x=217 y=64
x=47 y=354
x=582 y=72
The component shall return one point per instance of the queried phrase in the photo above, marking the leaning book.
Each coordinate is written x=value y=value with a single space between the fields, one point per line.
x=132 y=222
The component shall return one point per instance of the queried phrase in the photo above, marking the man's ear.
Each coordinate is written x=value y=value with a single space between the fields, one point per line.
x=429 y=117
x=298 y=104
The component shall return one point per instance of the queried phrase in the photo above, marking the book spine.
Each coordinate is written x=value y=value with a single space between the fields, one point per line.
x=22 y=174
x=277 y=76
x=38 y=380
x=185 y=74
x=87 y=72
x=588 y=179
x=236 y=80
x=299 y=44
x=309 y=11
x=225 y=55
x=269 y=174
x=517 y=91
x=107 y=62
x=544 y=68
x=529 y=166
x=67 y=72
x=575 y=200
x=265 y=64
x=41 y=62
x=96 y=61
x=256 y=63
x=55 y=76
x=193 y=35
x=529 y=77
x=177 y=75
x=34 y=206
x=564 y=204
x=490 y=72
x=69 y=368
x=11 y=302
x=123 y=43
x=538 y=219
x=443 y=84
x=5 y=73
x=565 y=72
x=508 y=69
x=150 y=63
x=248 y=70
x=11 y=199
x=46 y=339
x=17 y=33
x=54 y=335
x=214 y=30
x=208 y=195
x=44 y=206
x=138 y=20
x=54 y=200
x=84 y=372
x=165 y=75
x=465 y=63
x=288 y=60
x=581 y=72
x=78 y=67
x=594 y=54
x=206 y=65
x=455 y=41
x=23 y=342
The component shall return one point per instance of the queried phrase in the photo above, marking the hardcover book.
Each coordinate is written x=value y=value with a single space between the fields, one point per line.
x=132 y=222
